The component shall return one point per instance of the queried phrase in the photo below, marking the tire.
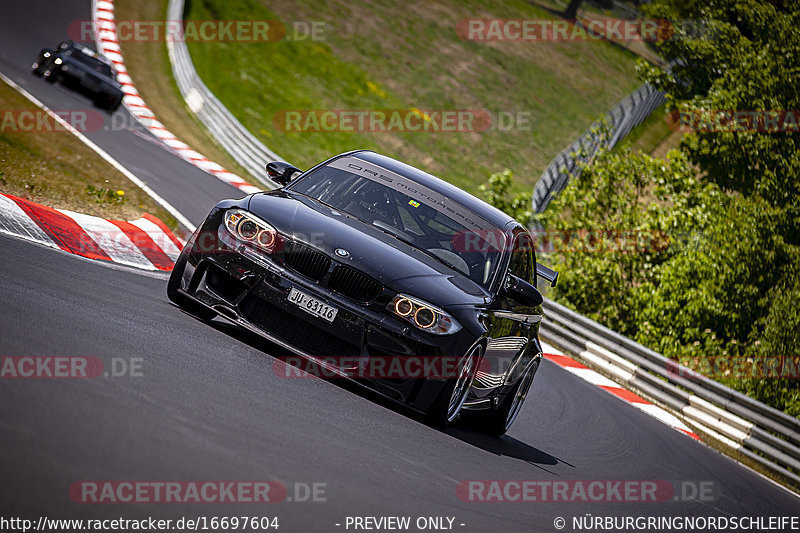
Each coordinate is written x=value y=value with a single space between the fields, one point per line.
x=498 y=422
x=107 y=101
x=116 y=103
x=449 y=402
x=181 y=300
x=104 y=101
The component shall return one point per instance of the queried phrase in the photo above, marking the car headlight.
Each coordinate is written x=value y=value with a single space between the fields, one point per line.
x=249 y=228
x=423 y=315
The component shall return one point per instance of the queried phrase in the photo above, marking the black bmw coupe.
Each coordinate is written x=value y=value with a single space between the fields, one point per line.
x=83 y=69
x=364 y=259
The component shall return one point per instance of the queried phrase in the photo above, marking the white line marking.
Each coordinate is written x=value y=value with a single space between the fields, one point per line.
x=587 y=374
x=662 y=415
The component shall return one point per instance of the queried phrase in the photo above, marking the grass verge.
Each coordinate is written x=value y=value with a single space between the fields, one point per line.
x=654 y=136
x=389 y=56
x=408 y=55
x=56 y=169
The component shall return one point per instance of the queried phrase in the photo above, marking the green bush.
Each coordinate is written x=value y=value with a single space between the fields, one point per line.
x=697 y=256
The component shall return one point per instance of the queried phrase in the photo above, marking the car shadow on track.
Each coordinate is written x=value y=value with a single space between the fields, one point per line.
x=505 y=446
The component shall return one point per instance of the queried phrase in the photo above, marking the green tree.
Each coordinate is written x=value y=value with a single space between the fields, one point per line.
x=612 y=230
x=735 y=55
x=497 y=192
x=737 y=287
x=723 y=280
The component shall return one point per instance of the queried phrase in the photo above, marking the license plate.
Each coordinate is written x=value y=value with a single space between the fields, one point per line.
x=311 y=305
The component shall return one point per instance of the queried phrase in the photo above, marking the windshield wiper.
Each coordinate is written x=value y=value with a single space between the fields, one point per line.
x=410 y=243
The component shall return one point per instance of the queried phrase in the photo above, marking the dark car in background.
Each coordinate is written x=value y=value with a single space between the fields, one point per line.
x=365 y=257
x=81 y=68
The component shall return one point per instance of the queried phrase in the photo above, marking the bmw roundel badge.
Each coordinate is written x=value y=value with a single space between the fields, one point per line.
x=341 y=252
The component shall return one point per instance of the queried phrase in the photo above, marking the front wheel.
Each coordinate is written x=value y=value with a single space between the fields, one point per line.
x=448 y=405
x=50 y=76
x=181 y=300
x=116 y=102
x=500 y=420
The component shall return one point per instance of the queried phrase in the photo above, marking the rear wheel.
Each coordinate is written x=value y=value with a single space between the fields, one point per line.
x=101 y=101
x=500 y=420
x=116 y=102
x=448 y=405
x=181 y=300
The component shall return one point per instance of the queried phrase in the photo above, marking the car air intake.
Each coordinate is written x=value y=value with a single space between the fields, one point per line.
x=353 y=284
x=306 y=260
x=294 y=331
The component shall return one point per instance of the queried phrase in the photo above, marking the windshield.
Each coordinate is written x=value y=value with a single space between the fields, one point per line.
x=410 y=213
x=91 y=62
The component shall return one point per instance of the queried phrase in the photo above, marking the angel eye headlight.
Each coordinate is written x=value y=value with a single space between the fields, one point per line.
x=266 y=238
x=423 y=315
x=248 y=228
x=403 y=307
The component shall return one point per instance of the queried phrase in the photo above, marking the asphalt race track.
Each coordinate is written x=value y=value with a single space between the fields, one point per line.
x=209 y=406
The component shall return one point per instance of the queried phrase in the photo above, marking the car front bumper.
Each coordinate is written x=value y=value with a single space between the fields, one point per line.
x=251 y=289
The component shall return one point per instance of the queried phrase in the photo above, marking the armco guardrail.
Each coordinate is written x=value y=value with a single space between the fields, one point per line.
x=625 y=116
x=765 y=435
x=226 y=129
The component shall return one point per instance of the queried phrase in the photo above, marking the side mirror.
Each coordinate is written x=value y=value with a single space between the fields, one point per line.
x=281 y=172
x=546 y=273
x=523 y=292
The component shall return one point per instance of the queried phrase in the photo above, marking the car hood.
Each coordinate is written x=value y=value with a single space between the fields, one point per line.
x=390 y=261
